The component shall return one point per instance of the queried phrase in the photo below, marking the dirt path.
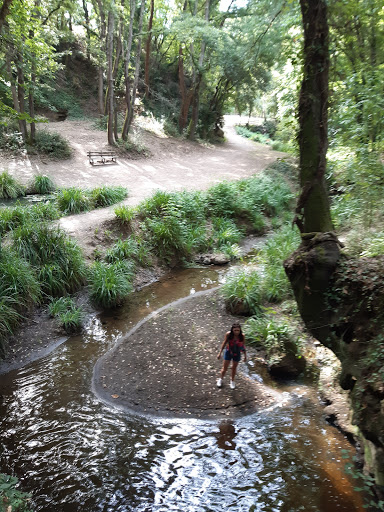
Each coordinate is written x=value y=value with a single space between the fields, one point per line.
x=174 y=165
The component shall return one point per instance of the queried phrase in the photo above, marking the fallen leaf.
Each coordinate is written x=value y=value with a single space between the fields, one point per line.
x=115 y=396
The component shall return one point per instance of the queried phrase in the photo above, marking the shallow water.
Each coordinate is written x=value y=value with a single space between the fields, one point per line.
x=28 y=200
x=75 y=453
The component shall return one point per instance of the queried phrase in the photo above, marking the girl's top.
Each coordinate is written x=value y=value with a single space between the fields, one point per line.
x=235 y=347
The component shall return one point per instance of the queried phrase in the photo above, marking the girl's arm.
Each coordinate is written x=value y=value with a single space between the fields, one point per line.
x=223 y=345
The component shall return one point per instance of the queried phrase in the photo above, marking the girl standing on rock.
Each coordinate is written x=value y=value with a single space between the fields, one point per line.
x=234 y=344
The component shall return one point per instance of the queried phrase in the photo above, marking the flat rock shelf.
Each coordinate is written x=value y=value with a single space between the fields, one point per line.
x=167 y=365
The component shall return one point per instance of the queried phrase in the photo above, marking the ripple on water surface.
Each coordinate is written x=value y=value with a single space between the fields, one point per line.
x=77 y=454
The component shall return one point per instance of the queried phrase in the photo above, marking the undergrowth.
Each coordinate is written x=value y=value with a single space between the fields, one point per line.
x=171 y=228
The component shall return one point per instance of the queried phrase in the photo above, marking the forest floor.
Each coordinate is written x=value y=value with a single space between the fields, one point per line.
x=169 y=365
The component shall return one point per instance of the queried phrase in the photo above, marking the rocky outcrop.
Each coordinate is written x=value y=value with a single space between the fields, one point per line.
x=287 y=366
x=341 y=301
x=217 y=258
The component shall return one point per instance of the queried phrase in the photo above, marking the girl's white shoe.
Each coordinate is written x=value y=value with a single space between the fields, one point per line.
x=219 y=383
x=232 y=385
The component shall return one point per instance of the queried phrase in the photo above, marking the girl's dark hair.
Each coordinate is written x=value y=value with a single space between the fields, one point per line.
x=232 y=334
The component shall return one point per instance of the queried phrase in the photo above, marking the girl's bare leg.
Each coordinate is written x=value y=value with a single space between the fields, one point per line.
x=234 y=368
x=225 y=368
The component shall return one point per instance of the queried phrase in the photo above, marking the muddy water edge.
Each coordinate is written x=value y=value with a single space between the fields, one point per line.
x=75 y=453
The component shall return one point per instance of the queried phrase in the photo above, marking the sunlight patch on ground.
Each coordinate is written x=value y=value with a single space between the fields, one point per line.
x=151 y=124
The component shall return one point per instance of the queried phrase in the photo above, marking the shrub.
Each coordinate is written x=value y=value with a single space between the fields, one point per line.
x=266 y=194
x=196 y=239
x=101 y=123
x=11 y=498
x=42 y=184
x=134 y=144
x=233 y=251
x=258 y=222
x=11 y=138
x=52 y=144
x=44 y=211
x=192 y=206
x=123 y=249
x=73 y=200
x=60 y=260
x=12 y=217
x=167 y=236
x=15 y=216
x=10 y=188
x=222 y=200
x=19 y=288
x=18 y=280
x=270 y=127
x=51 y=277
x=225 y=232
x=70 y=316
x=275 y=335
x=72 y=320
x=241 y=291
x=9 y=319
x=131 y=248
x=275 y=286
x=157 y=204
x=110 y=284
x=61 y=305
x=105 y=196
x=375 y=246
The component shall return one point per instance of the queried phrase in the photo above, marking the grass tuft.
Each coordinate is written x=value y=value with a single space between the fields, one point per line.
x=241 y=291
x=70 y=317
x=110 y=284
x=125 y=214
x=60 y=260
x=42 y=184
x=106 y=196
x=10 y=188
x=73 y=200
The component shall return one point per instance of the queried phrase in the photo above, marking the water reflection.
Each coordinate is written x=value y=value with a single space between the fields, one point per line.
x=226 y=435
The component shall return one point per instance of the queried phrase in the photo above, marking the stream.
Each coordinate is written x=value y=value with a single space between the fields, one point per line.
x=75 y=453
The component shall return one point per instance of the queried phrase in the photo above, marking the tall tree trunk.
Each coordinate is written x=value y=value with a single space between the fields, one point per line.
x=12 y=81
x=100 y=95
x=313 y=212
x=311 y=267
x=186 y=94
x=110 y=97
x=195 y=109
x=31 y=101
x=118 y=50
x=127 y=80
x=21 y=94
x=100 y=92
x=148 y=49
x=88 y=37
x=130 y=96
x=32 y=85
x=137 y=67
x=197 y=84
x=4 y=11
